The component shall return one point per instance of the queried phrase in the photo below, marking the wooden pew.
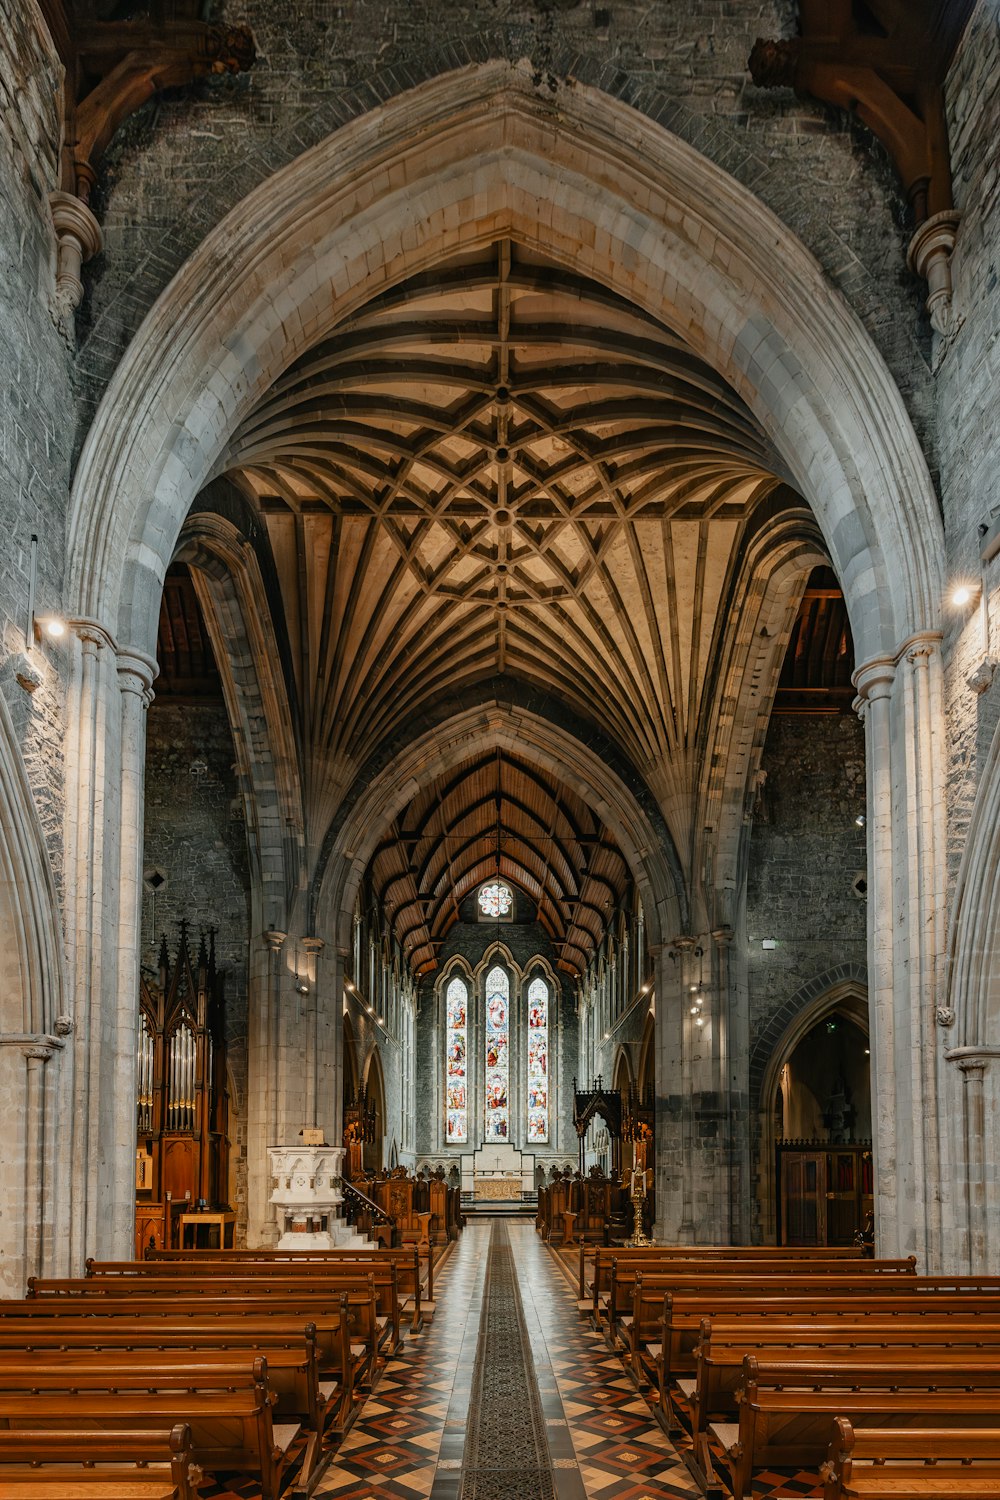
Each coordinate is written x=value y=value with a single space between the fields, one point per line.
x=723 y=1346
x=405 y=1257
x=706 y=1253
x=911 y=1463
x=72 y=1465
x=787 y=1407
x=652 y=1261
x=682 y=1315
x=332 y=1379
x=347 y=1354
x=290 y=1291
x=279 y=1263
x=618 y=1303
x=293 y=1382
x=231 y=1427
x=745 y=1281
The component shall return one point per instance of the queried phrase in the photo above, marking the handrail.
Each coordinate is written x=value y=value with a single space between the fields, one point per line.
x=358 y=1199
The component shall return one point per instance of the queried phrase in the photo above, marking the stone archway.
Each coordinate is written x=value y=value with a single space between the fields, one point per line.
x=468 y=156
x=845 y=990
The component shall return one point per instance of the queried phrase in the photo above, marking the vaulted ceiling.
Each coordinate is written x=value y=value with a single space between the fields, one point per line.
x=499 y=467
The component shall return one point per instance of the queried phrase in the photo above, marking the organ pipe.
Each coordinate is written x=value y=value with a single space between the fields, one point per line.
x=181 y=1102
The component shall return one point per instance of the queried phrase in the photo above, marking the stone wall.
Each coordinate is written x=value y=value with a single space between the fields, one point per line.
x=195 y=837
x=36 y=399
x=806 y=851
x=968 y=377
x=189 y=156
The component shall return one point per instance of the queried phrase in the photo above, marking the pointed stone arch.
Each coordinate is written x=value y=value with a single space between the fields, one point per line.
x=844 y=988
x=596 y=183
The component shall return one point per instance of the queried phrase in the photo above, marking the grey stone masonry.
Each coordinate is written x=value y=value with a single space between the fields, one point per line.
x=187 y=158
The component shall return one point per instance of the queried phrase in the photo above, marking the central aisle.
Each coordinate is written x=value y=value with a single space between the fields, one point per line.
x=506 y=1396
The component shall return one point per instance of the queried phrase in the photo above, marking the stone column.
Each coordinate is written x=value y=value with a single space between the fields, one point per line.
x=734 y=1059
x=25 y=1186
x=900 y=699
x=874 y=683
x=675 y=1150
x=312 y=948
x=976 y=1181
x=94 y=1199
x=136 y=673
x=85 y=1183
x=266 y=966
x=35 y=1185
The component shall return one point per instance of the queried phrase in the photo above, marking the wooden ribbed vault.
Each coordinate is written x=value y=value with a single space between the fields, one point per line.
x=501 y=469
x=498 y=467
x=550 y=845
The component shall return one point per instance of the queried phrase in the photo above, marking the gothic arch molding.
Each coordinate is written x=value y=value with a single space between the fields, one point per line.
x=229 y=585
x=591 y=180
x=389 y=788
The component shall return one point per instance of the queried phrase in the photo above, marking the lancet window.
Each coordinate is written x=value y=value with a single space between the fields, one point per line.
x=456 y=1062
x=497 y=1122
x=538 y=1062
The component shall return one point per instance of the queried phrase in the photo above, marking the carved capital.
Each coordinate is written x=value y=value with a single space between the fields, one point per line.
x=92 y=634
x=137 y=673
x=874 y=679
x=274 y=939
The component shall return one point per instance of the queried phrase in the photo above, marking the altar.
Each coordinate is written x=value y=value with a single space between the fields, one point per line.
x=499 y=1173
x=496 y=1186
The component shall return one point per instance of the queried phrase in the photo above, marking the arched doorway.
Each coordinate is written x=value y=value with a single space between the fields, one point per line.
x=815 y=1166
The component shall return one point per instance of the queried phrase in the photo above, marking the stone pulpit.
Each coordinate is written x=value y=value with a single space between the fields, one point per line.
x=307 y=1197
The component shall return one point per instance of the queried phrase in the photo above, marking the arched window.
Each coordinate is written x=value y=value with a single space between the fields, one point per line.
x=496 y=902
x=456 y=1065
x=497 y=1121
x=538 y=1062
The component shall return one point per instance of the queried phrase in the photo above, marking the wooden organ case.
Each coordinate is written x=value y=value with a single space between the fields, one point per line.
x=182 y=1144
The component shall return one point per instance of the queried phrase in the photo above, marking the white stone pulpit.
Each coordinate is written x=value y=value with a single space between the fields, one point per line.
x=307 y=1196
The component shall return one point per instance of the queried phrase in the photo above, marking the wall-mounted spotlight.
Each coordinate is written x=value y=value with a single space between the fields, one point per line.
x=963 y=594
x=861 y=819
x=301 y=986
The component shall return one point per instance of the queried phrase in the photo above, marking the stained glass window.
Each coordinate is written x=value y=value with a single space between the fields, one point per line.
x=496 y=900
x=538 y=1061
x=456 y=1065
x=497 y=1120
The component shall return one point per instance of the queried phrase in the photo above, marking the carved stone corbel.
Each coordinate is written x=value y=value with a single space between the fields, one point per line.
x=78 y=237
x=929 y=256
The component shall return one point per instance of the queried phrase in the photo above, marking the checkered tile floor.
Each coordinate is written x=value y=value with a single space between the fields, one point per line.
x=604 y=1441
